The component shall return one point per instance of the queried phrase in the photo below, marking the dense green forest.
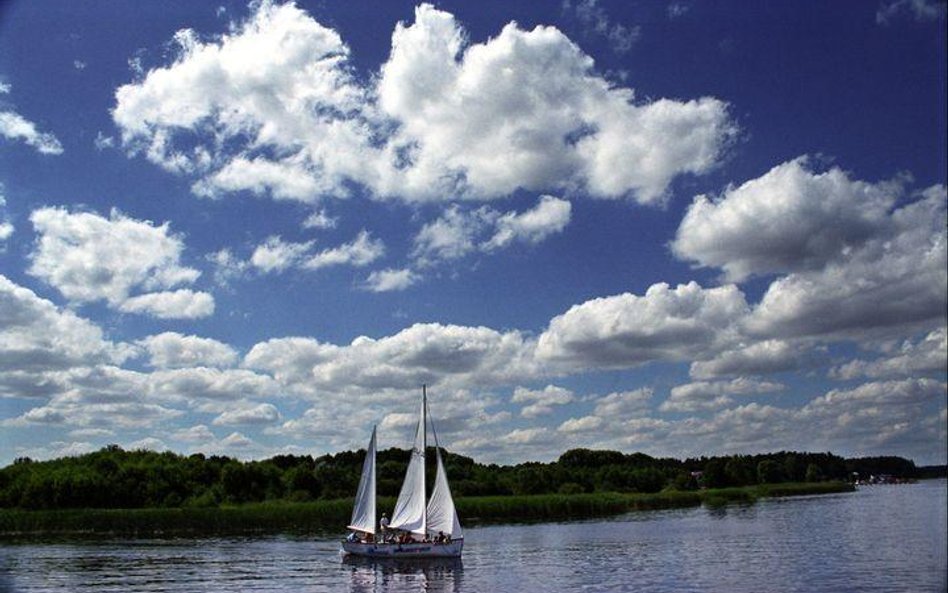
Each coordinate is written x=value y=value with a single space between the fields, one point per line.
x=115 y=478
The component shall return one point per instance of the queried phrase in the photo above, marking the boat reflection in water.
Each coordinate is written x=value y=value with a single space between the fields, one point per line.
x=379 y=575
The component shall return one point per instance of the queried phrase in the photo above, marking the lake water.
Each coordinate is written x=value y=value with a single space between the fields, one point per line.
x=880 y=538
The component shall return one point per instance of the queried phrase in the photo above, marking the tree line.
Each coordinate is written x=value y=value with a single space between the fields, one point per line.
x=114 y=478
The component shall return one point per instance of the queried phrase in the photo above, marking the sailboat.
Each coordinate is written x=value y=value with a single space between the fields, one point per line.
x=416 y=530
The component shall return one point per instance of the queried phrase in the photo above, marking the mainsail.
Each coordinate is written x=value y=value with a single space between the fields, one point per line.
x=363 y=514
x=409 y=514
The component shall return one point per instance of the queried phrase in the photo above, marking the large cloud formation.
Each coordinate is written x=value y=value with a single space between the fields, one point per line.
x=473 y=371
x=788 y=220
x=423 y=353
x=859 y=259
x=89 y=258
x=39 y=337
x=272 y=107
x=894 y=284
x=53 y=355
x=623 y=331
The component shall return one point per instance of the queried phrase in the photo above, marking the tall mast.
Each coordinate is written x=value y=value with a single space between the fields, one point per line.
x=424 y=419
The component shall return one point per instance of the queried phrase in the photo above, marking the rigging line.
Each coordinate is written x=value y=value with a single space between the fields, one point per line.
x=431 y=422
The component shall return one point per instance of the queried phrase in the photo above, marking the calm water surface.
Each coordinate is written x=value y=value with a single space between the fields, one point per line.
x=881 y=538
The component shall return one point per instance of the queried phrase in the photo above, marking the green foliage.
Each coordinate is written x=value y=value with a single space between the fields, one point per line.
x=714 y=475
x=793 y=468
x=800 y=488
x=570 y=488
x=769 y=472
x=326 y=516
x=118 y=479
x=590 y=459
x=740 y=471
x=813 y=473
x=683 y=481
x=894 y=466
x=929 y=472
x=725 y=496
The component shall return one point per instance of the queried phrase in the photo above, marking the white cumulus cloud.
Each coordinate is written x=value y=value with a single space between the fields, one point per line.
x=757 y=358
x=183 y=303
x=627 y=330
x=174 y=350
x=14 y=126
x=6 y=227
x=458 y=232
x=710 y=395
x=423 y=353
x=541 y=402
x=272 y=107
x=361 y=251
x=550 y=215
x=89 y=258
x=896 y=283
x=37 y=336
x=858 y=258
x=260 y=414
x=929 y=354
x=788 y=220
x=525 y=110
x=276 y=255
x=391 y=280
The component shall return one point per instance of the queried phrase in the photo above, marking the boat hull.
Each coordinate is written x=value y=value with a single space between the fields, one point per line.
x=409 y=550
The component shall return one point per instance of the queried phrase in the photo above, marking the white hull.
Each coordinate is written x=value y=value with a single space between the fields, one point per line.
x=410 y=550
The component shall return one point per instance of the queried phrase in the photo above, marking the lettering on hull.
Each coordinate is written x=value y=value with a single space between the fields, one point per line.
x=402 y=550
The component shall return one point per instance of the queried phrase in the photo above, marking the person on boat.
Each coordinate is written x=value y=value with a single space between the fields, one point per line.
x=353 y=537
x=383 y=524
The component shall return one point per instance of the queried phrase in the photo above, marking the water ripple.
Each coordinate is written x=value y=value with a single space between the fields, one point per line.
x=876 y=539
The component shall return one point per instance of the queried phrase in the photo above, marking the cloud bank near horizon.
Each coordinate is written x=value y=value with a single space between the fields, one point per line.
x=487 y=149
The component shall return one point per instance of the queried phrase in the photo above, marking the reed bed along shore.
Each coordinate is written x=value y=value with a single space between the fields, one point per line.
x=330 y=516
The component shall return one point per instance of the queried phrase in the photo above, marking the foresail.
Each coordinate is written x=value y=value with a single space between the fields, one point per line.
x=442 y=516
x=409 y=512
x=363 y=512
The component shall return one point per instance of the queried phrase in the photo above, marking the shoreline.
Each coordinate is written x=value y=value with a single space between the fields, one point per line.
x=283 y=517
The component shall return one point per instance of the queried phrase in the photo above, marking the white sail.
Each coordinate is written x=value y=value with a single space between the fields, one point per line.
x=409 y=514
x=363 y=514
x=442 y=516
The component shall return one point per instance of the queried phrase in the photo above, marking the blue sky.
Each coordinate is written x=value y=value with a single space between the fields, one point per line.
x=678 y=228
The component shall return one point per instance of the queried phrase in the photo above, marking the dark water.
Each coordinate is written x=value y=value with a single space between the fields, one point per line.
x=881 y=538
